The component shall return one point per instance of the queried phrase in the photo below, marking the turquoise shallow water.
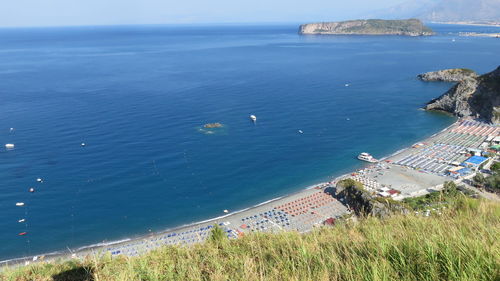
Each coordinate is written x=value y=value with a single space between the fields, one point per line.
x=137 y=96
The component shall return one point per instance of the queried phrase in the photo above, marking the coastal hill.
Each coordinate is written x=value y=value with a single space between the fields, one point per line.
x=474 y=95
x=410 y=27
x=453 y=11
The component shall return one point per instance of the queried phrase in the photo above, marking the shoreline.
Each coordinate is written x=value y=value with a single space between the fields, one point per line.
x=151 y=240
x=63 y=253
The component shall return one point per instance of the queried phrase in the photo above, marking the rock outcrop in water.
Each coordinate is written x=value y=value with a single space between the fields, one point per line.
x=473 y=95
x=448 y=75
x=213 y=125
x=410 y=27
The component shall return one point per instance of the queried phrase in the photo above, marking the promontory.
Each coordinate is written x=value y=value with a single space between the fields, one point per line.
x=409 y=27
x=474 y=95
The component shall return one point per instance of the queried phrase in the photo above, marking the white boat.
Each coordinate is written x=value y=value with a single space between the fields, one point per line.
x=9 y=146
x=19 y=204
x=253 y=118
x=367 y=157
x=21 y=220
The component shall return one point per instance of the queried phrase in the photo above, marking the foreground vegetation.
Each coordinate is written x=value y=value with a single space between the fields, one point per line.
x=460 y=244
x=489 y=182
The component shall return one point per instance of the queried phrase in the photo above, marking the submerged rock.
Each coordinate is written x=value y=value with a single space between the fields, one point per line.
x=213 y=125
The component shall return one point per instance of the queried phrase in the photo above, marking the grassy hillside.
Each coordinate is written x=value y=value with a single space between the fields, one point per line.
x=461 y=243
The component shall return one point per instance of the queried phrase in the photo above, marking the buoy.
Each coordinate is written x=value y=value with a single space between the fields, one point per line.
x=23 y=233
x=21 y=220
x=32 y=189
x=39 y=180
x=20 y=204
x=226 y=211
x=9 y=146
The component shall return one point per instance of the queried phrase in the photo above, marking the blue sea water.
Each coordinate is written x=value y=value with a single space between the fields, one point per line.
x=137 y=96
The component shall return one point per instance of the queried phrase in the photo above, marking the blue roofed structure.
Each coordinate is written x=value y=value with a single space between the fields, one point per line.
x=464 y=172
x=475 y=161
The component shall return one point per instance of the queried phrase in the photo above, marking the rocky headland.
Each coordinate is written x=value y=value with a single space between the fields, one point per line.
x=410 y=27
x=474 y=95
x=449 y=75
x=363 y=203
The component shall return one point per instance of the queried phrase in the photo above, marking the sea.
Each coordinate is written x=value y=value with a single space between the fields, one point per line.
x=108 y=121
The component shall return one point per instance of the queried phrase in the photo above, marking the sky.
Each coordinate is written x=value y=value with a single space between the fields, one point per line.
x=111 y=12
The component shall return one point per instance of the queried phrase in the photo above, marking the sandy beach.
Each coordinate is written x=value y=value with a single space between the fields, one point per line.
x=414 y=171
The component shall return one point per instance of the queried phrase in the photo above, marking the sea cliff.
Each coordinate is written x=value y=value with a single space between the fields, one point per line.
x=410 y=27
x=473 y=95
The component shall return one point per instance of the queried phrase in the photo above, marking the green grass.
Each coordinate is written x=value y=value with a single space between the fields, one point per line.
x=460 y=244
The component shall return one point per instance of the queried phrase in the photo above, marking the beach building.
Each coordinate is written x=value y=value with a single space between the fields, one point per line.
x=474 y=162
x=457 y=172
x=475 y=152
x=494 y=140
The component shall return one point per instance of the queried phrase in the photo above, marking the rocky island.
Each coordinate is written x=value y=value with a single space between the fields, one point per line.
x=474 y=95
x=410 y=27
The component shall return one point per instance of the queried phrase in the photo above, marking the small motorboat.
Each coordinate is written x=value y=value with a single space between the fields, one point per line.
x=367 y=157
x=301 y=132
x=39 y=180
x=226 y=211
x=20 y=204
x=23 y=233
x=253 y=118
x=82 y=144
x=21 y=220
x=9 y=146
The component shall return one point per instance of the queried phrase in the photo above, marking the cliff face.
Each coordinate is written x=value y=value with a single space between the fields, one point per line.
x=411 y=27
x=363 y=203
x=476 y=96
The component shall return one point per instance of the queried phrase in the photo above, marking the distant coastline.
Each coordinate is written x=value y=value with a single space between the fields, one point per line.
x=495 y=24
